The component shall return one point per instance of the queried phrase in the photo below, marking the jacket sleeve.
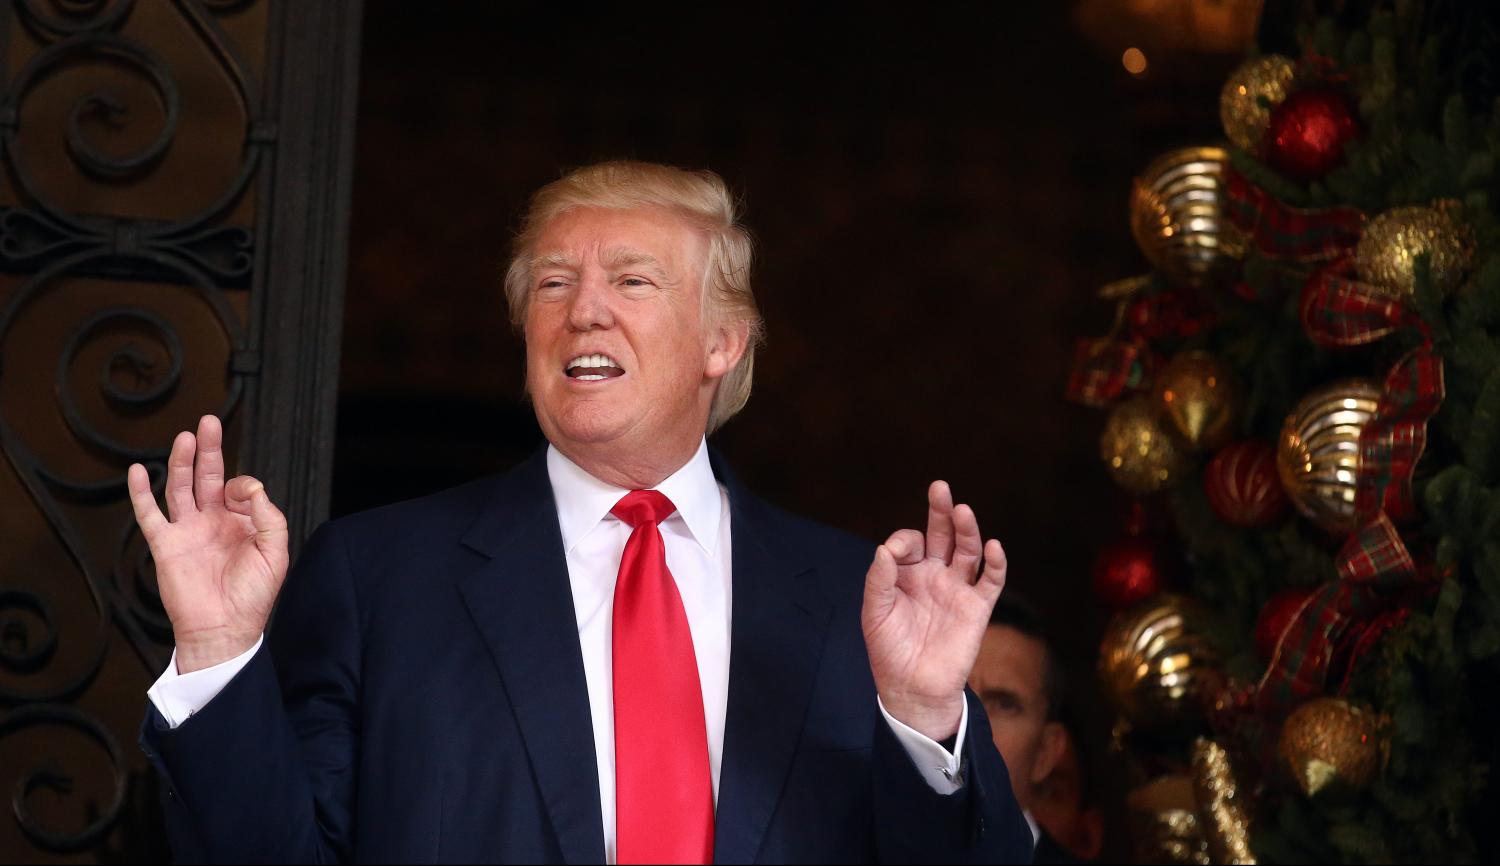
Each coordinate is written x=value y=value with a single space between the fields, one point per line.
x=266 y=771
x=980 y=823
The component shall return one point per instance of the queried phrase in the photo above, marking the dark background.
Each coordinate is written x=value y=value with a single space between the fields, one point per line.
x=936 y=193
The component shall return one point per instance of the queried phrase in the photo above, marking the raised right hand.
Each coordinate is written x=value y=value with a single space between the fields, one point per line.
x=222 y=557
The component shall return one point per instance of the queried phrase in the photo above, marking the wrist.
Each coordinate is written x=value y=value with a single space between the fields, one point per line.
x=199 y=652
x=937 y=719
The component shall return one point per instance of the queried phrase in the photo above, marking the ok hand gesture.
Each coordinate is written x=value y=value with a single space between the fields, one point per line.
x=925 y=613
x=222 y=556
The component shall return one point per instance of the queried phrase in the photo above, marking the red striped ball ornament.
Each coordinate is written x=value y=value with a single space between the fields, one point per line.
x=1244 y=486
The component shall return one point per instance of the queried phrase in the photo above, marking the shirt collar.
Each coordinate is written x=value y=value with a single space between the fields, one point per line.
x=584 y=501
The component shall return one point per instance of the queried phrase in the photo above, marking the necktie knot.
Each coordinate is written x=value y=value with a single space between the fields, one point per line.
x=643 y=506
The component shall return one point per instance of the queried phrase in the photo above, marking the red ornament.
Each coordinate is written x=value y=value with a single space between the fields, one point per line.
x=1243 y=484
x=1307 y=133
x=1129 y=572
x=1276 y=616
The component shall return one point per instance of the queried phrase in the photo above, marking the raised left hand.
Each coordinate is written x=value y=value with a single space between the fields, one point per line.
x=925 y=613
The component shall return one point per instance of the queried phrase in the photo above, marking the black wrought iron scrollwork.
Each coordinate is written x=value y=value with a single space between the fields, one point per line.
x=75 y=16
x=135 y=348
x=51 y=776
x=49 y=486
x=22 y=650
x=158 y=387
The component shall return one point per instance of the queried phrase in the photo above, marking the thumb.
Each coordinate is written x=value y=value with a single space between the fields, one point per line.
x=248 y=496
x=880 y=584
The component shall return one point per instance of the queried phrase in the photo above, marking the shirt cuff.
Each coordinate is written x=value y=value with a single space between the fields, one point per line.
x=938 y=766
x=178 y=696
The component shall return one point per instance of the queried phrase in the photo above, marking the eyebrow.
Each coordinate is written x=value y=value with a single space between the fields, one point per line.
x=626 y=257
x=614 y=259
x=553 y=260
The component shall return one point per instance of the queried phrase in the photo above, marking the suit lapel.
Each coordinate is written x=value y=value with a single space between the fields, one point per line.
x=522 y=603
x=779 y=626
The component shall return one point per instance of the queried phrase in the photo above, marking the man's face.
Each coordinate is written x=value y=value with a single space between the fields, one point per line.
x=1010 y=679
x=620 y=359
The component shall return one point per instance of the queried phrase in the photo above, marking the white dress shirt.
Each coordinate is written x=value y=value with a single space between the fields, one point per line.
x=697 y=541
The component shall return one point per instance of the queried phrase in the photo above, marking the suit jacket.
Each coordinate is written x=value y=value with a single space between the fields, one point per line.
x=421 y=697
x=1049 y=853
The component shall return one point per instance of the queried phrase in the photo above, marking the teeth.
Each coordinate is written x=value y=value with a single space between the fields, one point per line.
x=591 y=377
x=592 y=361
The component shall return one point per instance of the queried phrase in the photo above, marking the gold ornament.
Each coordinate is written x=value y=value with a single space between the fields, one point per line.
x=1223 y=804
x=1177 y=216
x=1164 y=822
x=1241 y=109
x=1197 y=396
x=1139 y=451
x=1157 y=664
x=1332 y=747
x=1386 y=255
x=1318 y=455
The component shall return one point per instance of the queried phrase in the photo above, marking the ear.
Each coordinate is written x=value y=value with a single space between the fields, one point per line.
x=1049 y=755
x=727 y=342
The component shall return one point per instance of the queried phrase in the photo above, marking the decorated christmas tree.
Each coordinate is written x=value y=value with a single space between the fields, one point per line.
x=1304 y=395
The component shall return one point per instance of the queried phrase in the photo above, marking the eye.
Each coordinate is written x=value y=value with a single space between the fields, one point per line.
x=552 y=286
x=635 y=282
x=1002 y=704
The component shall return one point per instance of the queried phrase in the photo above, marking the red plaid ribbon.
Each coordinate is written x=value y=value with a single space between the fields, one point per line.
x=1342 y=620
x=1103 y=370
x=1393 y=441
x=1377 y=576
x=1339 y=311
x=1288 y=233
x=1106 y=368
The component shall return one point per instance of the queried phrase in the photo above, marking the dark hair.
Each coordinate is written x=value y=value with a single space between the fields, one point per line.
x=1015 y=613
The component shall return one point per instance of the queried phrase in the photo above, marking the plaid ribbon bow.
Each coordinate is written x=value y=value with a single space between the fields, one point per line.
x=1105 y=369
x=1378 y=579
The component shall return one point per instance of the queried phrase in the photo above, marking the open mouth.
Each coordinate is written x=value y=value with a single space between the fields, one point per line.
x=593 y=368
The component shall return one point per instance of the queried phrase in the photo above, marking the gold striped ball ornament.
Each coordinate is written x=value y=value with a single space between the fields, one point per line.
x=1318 y=454
x=1139 y=451
x=1256 y=87
x=1198 y=398
x=1386 y=256
x=1178 y=219
x=1157 y=664
x=1332 y=747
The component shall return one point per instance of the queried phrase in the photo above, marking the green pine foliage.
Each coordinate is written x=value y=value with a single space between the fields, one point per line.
x=1425 y=136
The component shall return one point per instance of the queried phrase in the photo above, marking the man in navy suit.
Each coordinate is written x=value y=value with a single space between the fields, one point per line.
x=612 y=653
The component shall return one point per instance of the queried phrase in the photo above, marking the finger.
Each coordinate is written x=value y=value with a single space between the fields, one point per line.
x=940 y=522
x=208 y=472
x=906 y=546
x=180 y=476
x=992 y=579
x=968 y=545
x=239 y=494
x=147 y=515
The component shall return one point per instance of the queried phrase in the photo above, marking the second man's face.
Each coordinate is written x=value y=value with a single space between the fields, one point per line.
x=619 y=356
x=1010 y=679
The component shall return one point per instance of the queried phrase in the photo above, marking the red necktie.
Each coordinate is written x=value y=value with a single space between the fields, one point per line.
x=664 y=797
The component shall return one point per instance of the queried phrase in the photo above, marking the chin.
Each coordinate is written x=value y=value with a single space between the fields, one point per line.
x=589 y=422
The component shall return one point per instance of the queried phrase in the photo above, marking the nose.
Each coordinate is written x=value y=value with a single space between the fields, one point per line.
x=590 y=308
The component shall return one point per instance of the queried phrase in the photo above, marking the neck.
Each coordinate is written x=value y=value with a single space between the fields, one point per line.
x=630 y=469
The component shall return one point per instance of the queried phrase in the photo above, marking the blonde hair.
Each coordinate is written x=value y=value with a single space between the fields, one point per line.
x=701 y=198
